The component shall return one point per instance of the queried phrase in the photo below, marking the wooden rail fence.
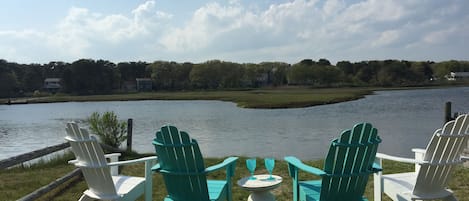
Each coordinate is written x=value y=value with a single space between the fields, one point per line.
x=9 y=162
x=45 y=189
x=6 y=163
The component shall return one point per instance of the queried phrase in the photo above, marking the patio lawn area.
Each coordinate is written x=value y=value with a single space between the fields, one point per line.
x=17 y=182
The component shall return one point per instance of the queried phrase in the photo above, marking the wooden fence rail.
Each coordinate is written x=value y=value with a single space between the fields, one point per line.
x=6 y=163
x=45 y=189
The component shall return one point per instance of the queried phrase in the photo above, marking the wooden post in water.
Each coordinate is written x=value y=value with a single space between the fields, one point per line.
x=448 y=112
x=129 y=134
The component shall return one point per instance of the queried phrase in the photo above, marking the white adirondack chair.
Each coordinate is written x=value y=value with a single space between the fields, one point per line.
x=100 y=175
x=433 y=166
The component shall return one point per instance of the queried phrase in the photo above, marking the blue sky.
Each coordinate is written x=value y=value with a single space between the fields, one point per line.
x=33 y=31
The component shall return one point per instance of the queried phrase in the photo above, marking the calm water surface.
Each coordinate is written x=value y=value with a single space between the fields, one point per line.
x=404 y=118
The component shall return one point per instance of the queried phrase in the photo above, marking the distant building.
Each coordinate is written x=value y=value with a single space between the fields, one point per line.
x=144 y=84
x=264 y=79
x=52 y=84
x=129 y=86
x=457 y=75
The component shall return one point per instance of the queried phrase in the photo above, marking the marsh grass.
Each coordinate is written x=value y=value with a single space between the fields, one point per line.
x=285 y=97
x=17 y=182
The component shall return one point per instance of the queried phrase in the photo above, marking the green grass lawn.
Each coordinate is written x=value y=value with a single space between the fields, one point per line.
x=18 y=182
x=286 y=97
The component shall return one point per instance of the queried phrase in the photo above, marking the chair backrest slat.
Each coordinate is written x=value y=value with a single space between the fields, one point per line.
x=91 y=161
x=370 y=136
x=349 y=163
x=442 y=154
x=181 y=164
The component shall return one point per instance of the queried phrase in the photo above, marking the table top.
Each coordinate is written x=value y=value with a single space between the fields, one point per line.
x=261 y=182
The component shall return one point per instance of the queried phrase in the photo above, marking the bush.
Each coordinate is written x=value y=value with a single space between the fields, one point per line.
x=108 y=128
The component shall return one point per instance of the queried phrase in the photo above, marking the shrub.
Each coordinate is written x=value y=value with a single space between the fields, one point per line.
x=108 y=128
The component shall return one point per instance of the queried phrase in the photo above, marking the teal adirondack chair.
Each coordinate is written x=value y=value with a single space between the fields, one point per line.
x=346 y=168
x=183 y=169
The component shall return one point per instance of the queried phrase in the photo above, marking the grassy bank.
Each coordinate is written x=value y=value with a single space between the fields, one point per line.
x=18 y=182
x=281 y=97
x=291 y=97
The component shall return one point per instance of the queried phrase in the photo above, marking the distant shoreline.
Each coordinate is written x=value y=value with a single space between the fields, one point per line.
x=267 y=98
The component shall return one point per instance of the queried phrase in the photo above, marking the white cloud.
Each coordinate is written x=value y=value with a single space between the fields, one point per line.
x=332 y=7
x=440 y=36
x=288 y=31
x=86 y=34
x=207 y=23
x=386 y=38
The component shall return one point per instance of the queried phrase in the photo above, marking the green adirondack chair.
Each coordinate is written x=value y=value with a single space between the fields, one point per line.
x=346 y=168
x=183 y=169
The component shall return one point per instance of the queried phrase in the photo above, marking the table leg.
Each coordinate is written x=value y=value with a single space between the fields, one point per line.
x=261 y=196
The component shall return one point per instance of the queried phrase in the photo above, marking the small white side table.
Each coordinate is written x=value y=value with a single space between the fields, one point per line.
x=260 y=188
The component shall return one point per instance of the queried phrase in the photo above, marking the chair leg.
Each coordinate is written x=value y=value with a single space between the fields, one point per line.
x=378 y=182
x=378 y=186
x=85 y=198
x=148 y=181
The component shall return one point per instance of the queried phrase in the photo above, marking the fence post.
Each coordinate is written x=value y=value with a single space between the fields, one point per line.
x=129 y=134
x=448 y=112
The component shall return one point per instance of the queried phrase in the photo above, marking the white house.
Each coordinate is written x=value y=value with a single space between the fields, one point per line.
x=457 y=75
x=52 y=84
x=144 y=84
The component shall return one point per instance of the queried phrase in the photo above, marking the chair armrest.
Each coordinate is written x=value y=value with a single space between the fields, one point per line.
x=112 y=155
x=418 y=150
x=74 y=161
x=225 y=163
x=156 y=167
x=300 y=165
x=465 y=158
x=398 y=159
x=113 y=158
x=144 y=159
x=376 y=168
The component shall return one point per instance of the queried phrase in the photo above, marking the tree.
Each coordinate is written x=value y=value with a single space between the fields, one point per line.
x=230 y=74
x=326 y=75
x=422 y=72
x=346 y=67
x=87 y=76
x=108 y=128
x=279 y=73
x=170 y=75
x=8 y=80
x=129 y=71
x=33 y=79
x=8 y=84
x=324 y=62
x=249 y=75
x=307 y=62
x=205 y=75
x=442 y=69
x=300 y=74
x=365 y=72
x=394 y=73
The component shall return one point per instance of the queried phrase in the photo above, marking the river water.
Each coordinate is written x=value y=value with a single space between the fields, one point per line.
x=404 y=119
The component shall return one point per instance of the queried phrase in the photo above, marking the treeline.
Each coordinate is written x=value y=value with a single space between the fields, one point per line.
x=87 y=76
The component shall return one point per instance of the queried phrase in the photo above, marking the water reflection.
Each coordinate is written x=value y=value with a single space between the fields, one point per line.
x=405 y=119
